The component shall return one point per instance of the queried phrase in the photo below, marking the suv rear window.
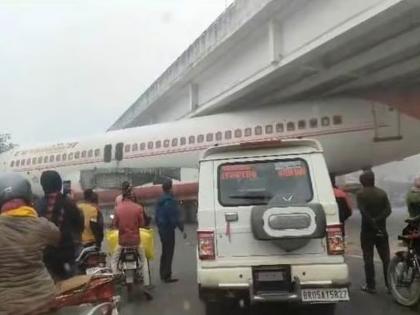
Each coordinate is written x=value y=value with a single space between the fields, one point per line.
x=259 y=183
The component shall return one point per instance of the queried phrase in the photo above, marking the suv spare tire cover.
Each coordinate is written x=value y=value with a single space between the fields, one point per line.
x=289 y=226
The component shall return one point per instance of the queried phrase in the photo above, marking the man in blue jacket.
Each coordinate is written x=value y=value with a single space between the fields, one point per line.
x=167 y=220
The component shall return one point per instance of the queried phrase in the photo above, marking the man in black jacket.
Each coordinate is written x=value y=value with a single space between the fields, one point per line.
x=64 y=213
x=374 y=207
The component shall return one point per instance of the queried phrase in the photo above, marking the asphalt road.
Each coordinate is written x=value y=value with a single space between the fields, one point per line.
x=181 y=298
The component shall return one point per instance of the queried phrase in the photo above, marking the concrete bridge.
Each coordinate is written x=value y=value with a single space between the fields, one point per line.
x=268 y=51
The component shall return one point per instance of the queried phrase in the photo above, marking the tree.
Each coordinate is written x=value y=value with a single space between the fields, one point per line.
x=5 y=144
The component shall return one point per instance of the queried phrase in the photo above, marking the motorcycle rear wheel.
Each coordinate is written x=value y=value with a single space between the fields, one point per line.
x=405 y=288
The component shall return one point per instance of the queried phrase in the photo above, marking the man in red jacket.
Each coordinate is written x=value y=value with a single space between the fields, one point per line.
x=128 y=219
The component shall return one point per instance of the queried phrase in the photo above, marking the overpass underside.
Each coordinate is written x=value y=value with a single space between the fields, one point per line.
x=273 y=51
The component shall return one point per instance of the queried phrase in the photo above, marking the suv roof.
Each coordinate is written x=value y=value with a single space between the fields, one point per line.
x=262 y=148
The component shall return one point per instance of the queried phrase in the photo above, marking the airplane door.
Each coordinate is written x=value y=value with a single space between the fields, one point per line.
x=387 y=123
x=108 y=153
x=119 y=155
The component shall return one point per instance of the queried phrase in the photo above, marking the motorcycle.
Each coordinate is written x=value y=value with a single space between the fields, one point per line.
x=97 y=292
x=91 y=261
x=131 y=265
x=404 y=268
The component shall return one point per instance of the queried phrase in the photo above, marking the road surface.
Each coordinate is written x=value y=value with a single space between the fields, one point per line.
x=181 y=298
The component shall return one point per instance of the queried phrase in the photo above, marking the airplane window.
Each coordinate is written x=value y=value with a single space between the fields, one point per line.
x=313 y=123
x=158 y=144
x=325 y=121
x=248 y=132
x=12 y=164
x=34 y=161
x=290 y=126
x=58 y=158
x=238 y=133
x=135 y=147
x=71 y=156
x=258 y=131
x=301 y=124
x=83 y=154
x=97 y=152
x=174 y=142
x=228 y=134
x=127 y=148
x=28 y=162
x=40 y=160
x=268 y=129
x=182 y=141
x=51 y=158
x=150 y=145
x=45 y=159
x=76 y=155
x=200 y=138
x=90 y=153
x=142 y=146
x=22 y=162
x=64 y=157
x=191 y=139
x=17 y=163
x=166 y=143
x=337 y=120
x=279 y=127
x=219 y=136
x=209 y=137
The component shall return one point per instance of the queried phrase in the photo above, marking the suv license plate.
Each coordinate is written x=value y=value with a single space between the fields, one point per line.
x=268 y=276
x=325 y=295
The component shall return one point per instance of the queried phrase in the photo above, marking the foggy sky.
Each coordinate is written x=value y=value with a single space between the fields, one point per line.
x=71 y=68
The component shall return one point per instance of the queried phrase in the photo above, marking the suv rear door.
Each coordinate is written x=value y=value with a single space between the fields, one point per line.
x=263 y=208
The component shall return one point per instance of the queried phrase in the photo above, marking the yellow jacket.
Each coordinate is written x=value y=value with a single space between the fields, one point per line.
x=90 y=212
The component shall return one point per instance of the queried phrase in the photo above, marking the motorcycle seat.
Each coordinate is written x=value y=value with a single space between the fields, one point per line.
x=415 y=219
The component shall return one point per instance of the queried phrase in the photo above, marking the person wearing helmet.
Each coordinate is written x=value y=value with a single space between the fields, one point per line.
x=26 y=287
x=64 y=213
x=413 y=199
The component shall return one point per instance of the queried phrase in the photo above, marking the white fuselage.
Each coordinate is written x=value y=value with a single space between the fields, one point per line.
x=354 y=133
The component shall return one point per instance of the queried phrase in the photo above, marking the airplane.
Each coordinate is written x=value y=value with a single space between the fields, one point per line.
x=355 y=134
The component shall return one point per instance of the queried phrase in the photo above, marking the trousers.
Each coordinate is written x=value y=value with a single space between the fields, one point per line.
x=167 y=238
x=368 y=241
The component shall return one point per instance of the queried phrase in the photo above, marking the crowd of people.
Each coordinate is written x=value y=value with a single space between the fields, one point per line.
x=39 y=241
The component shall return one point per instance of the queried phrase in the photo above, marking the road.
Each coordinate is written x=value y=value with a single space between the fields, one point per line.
x=181 y=298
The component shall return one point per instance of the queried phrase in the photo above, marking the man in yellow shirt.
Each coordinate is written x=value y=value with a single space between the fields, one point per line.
x=93 y=233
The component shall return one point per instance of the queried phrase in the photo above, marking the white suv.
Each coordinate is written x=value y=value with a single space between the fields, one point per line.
x=268 y=227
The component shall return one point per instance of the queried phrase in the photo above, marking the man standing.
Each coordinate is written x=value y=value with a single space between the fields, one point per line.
x=167 y=220
x=63 y=212
x=374 y=207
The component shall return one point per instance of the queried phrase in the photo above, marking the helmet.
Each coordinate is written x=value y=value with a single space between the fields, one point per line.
x=14 y=186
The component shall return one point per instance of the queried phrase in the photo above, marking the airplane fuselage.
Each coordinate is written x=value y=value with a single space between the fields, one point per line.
x=354 y=133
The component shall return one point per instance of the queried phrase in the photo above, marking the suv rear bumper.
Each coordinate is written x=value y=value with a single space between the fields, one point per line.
x=217 y=282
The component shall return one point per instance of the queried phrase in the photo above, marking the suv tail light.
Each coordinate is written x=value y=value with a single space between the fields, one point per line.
x=206 y=250
x=335 y=240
